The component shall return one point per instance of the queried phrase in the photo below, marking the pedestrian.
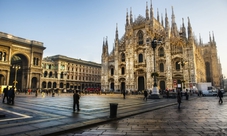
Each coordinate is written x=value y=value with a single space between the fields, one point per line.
x=178 y=98
x=36 y=93
x=145 y=95
x=186 y=94
x=11 y=95
x=124 y=93
x=5 y=92
x=220 y=95
x=76 y=98
x=167 y=93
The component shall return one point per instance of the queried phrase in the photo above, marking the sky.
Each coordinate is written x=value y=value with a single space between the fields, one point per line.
x=76 y=28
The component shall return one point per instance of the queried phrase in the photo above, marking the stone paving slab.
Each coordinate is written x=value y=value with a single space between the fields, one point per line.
x=34 y=116
x=202 y=116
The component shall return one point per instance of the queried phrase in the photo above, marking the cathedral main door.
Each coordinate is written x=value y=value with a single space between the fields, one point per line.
x=140 y=83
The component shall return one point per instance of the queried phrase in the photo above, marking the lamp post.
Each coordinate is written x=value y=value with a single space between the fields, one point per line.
x=155 y=92
x=16 y=67
x=154 y=45
x=182 y=63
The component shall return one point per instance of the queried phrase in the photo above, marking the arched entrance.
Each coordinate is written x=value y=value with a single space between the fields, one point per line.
x=162 y=85
x=2 y=80
x=112 y=86
x=19 y=71
x=34 y=83
x=122 y=86
x=140 y=83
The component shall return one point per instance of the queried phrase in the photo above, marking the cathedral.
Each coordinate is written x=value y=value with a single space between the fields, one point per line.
x=154 y=52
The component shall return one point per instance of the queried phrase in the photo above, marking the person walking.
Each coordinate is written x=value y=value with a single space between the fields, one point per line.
x=186 y=94
x=5 y=92
x=178 y=98
x=145 y=95
x=124 y=93
x=220 y=95
x=76 y=98
x=11 y=95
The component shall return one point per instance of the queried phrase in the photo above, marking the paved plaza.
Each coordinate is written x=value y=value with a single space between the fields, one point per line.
x=34 y=116
x=202 y=116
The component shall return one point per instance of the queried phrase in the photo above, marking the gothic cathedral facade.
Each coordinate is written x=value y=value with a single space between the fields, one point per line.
x=178 y=60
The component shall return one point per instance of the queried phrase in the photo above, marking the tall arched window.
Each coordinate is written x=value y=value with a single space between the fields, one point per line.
x=123 y=57
x=112 y=71
x=122 y=70
x=177 y=65
x=161 y=52
x=140 y=37
x=4 y=56
x=140 y=58
x=45 y=74
x=161 y=67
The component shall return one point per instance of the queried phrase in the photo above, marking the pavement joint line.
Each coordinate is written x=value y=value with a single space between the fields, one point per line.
x=23 y=116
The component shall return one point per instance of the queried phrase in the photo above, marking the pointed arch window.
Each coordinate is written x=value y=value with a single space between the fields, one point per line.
x=140 y=58
x=123 y=57
x=161 y=52
x=140 y=37
x=122 y=70
x=161 y=67
x=112 y=71
x=177 y=65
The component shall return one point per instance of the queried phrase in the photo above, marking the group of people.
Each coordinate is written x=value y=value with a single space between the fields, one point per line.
x=9 y=95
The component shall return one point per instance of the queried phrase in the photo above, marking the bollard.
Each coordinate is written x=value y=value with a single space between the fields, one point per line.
x=113 y=110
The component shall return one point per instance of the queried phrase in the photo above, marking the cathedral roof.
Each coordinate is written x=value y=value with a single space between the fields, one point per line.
x=139 y=20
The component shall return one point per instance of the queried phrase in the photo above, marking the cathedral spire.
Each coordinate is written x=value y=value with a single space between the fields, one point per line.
x=166 y=20
x=213 y=38
x=158 y=15
x=189 y=29
x=183 y=29
x=147 y=12
x=131 y=17
x=173 y=16
x=200 y=40
x=210 y=38
x=174 y=25
x=162 y=20
x=116 y=33
x=151 y=11
x=127 y=18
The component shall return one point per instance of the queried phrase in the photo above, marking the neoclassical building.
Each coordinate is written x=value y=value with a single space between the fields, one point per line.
x=179 y=60
x=65 y=73
x=20 y=61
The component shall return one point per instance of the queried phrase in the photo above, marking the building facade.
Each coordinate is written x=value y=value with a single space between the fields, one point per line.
x=64 y=73
x=20 y=61
x=179 y=60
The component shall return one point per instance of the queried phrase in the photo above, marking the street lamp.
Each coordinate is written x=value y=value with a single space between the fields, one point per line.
x=16 y=67
x=155 y=93
x=182 y=63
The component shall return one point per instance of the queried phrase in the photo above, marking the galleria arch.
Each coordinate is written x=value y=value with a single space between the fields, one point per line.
x=20 y=62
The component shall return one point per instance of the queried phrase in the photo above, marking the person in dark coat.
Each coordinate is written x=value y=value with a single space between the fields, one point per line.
x=76 y=98
x=11 y=96
x=220 y=95
x=179 y=98
x=5 y=92
x=186 y=94
x=145 y=95
x=124 y=93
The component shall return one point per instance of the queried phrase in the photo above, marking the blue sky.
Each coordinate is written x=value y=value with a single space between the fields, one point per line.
x=75 y=28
